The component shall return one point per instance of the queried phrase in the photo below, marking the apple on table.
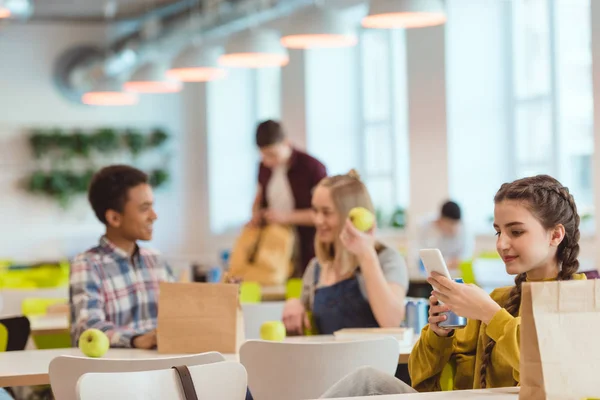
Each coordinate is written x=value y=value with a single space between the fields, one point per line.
x=272 y=330
x=94 y=343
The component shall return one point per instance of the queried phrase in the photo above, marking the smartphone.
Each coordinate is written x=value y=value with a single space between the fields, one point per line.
x=434 y=262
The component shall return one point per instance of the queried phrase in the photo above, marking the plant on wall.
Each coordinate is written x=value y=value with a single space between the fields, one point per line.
x=63 y=181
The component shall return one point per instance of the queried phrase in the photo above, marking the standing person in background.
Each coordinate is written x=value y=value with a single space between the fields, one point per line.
x=447 y=233
x=286 y=179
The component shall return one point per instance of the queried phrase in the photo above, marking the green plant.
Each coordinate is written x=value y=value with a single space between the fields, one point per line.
x=37 y=182
x=158 y=177
x=135 y=141
x=82 y=143
x=399 y=218
x=106 y=140
x=157 y=138
x=40 y=143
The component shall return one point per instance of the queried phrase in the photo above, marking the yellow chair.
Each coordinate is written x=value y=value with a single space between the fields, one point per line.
x=250 y=292
x=293 y=288
x=39 y=306
x=447 y=376
x=466 y=271
x=488 y=254
x=3 y=338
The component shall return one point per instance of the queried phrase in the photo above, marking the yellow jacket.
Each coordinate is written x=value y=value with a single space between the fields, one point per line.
x=466 y=348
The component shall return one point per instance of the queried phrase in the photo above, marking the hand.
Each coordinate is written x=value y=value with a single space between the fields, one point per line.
x=466 y=300
x=276 y=217
x=359 y=243
x=295 y=317
x=146 y=341
x=435 y=309
x=257 y=217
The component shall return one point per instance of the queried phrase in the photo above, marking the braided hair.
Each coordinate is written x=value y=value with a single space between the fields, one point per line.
x=551 y=204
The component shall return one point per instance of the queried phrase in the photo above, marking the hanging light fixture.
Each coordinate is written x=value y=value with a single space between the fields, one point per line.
x=15 y=8
x=151 y=78
x=108 y=93
x=197 y=64
x=318 y=27
x=391 y=14
x=256 y=48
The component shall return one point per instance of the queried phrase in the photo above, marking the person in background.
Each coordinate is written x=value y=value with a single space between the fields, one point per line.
x=114 y=286
x=354 y=281
x=286 y=178
x=447 y=233
x=537 y=229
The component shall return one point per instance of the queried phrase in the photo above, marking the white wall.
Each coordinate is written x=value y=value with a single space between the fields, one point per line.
x=332 y=107
x=478 y=104
x=35 y=228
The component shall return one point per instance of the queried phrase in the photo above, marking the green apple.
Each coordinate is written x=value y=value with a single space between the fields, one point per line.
x=94 y=343
x=272 y=330
x=362 y=218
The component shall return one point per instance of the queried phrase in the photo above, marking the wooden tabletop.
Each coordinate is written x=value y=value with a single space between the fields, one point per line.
x=486 y=394
x=30 y=367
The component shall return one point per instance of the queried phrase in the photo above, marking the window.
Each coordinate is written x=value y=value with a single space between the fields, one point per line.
x=232 y=154
x=384 y=141
x=553 y=104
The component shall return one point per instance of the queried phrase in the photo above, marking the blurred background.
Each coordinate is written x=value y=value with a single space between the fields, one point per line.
x=468 y=95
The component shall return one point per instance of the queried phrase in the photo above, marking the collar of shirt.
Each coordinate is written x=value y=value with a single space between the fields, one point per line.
x=112 y=248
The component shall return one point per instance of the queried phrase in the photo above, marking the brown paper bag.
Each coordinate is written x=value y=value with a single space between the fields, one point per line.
x=560 y=355
x=199 y=317
x=263 y=255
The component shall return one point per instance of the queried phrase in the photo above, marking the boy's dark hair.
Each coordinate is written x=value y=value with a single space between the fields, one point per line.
x=451 y=210
x=110 y=186
x=268 y=133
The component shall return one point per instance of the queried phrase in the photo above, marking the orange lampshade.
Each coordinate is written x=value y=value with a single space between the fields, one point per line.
x=4 y=12
x=151 y=78
x=108 y=93
x=407 y=14
x=197 y=64
x=318 y=27
x=260 y=48
x=253 y=60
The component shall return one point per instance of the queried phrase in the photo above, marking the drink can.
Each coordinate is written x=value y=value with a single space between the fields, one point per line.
x=453 y=320
x=417 y=314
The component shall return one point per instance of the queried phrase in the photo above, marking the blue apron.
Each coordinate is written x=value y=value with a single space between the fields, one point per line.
x=341 y=305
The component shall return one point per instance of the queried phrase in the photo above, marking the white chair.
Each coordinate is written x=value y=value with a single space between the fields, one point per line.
x=255 y=314
x=65 y=370
x=223 y=381
x=305 y=370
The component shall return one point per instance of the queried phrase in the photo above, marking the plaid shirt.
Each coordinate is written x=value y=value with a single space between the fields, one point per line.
x=116 y=293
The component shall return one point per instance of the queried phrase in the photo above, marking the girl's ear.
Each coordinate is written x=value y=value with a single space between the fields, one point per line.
x=557 y=235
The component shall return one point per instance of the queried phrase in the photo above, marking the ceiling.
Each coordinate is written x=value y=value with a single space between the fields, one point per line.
x=94 y=10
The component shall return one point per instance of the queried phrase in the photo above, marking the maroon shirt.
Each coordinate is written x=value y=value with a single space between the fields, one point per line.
x=304 y=173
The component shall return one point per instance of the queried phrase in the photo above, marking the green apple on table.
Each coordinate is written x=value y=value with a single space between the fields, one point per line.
x=361 y=218
x=94 y=343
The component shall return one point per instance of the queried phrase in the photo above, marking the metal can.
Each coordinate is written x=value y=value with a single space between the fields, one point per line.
x=453 y=321
x=417 y=314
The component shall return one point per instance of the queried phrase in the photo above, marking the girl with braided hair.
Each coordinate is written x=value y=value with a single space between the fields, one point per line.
x=537 y=229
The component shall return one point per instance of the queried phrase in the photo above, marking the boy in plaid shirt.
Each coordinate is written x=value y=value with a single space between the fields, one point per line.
x=114 y=286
